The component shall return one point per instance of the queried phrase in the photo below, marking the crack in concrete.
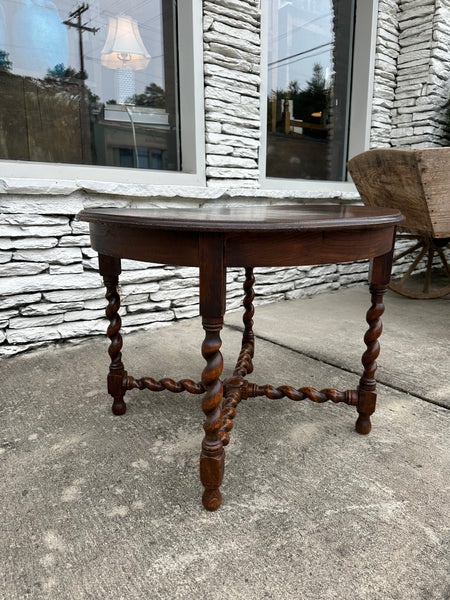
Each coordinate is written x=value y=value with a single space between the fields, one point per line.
x=346 y=369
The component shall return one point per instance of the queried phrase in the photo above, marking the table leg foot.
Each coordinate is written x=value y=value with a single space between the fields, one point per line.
x=211 y=475
x=366 y=407
x=363 y=424
x=118 y=406
x=212 y=499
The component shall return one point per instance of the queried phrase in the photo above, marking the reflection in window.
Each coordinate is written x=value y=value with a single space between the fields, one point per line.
x=92 y=84
x=310 y=47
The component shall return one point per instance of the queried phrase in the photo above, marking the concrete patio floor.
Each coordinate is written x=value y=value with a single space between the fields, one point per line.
x=101 y=507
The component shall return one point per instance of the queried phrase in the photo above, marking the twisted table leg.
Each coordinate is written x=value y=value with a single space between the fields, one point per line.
x=244 y=363
x=212 y=308
x=248 y=339
x=212 y=455
x=380 y=274
x=110 y=270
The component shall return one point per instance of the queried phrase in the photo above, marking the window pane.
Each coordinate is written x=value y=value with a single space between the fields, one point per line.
x=90 y=84
x=310 y=43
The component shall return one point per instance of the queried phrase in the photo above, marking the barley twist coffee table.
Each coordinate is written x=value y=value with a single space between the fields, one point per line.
x=217 y=238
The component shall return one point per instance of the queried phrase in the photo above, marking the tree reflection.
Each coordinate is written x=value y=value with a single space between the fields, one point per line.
x=153 y=96
x=310 y=104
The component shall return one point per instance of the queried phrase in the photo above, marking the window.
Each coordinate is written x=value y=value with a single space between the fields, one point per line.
x=98 y=84
x=319 y=79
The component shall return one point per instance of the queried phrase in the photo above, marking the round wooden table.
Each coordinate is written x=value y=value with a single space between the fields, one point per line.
x=214 y=239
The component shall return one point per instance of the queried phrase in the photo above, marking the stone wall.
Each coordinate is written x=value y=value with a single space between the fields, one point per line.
x=412 y=78
x=385 y=75
x=50 y=290
x=232 y=56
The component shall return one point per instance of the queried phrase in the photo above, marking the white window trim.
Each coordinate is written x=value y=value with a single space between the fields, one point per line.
x=361 y=99
x=190 y=53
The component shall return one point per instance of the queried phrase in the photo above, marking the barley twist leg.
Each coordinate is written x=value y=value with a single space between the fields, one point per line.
x=244 y=363
x=212 y=454
x=379 y=279
x=110 y=269
x=248 y=339
x=212 y=310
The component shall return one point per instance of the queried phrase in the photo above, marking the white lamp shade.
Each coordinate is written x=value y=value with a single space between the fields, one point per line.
x=124 y=48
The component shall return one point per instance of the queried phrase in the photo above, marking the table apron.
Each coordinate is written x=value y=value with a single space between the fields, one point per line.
x=148 y=245
x=242 y=249
x=310 y=248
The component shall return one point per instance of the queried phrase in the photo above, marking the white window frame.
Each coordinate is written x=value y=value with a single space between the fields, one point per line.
x=190 y=67
x=360 y=103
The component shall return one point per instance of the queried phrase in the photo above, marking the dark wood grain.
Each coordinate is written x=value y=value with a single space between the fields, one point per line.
x=380 y=270
x=304 y=237
x=212 y=310
x=110 y=269
x=256 y=218
x=127 y=241
x=286 y=248
x=244 y=365
x=214 y=239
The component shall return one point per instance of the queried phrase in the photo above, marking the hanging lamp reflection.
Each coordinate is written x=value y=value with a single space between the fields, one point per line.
x=124 y=48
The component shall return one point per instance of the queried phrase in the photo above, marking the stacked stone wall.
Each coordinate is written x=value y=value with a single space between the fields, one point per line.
x=412 y=76
x=232 y=57
x=50 y=289
x=385 y=73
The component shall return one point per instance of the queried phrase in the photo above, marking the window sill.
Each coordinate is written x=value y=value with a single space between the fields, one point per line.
x=99 y=192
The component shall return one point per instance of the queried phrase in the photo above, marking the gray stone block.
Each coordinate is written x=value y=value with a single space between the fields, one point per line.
x=59 y=269
x=34 y=231
x=63 y=256
x=75 y=240
x=130 y=289
x=84 y=315
x=172 y=294
x=186 y=312
x=76 y=294
x=7 y=243
x=40 y=321
x=49 y=308
x=223 y=73
x=5 y=257
x=32 y=334
x=146 y=318
x=234 y=139
x=245 y=36
x=216 y=160
x=12 y=269
x=45 y=282
x=148 y=306
x=32 y=219
x=19 y=300
x=229 y=173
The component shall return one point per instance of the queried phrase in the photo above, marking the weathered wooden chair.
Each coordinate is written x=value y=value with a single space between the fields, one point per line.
x=417 y=182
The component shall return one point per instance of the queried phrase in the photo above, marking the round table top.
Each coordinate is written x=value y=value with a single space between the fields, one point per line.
x=249 y=218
